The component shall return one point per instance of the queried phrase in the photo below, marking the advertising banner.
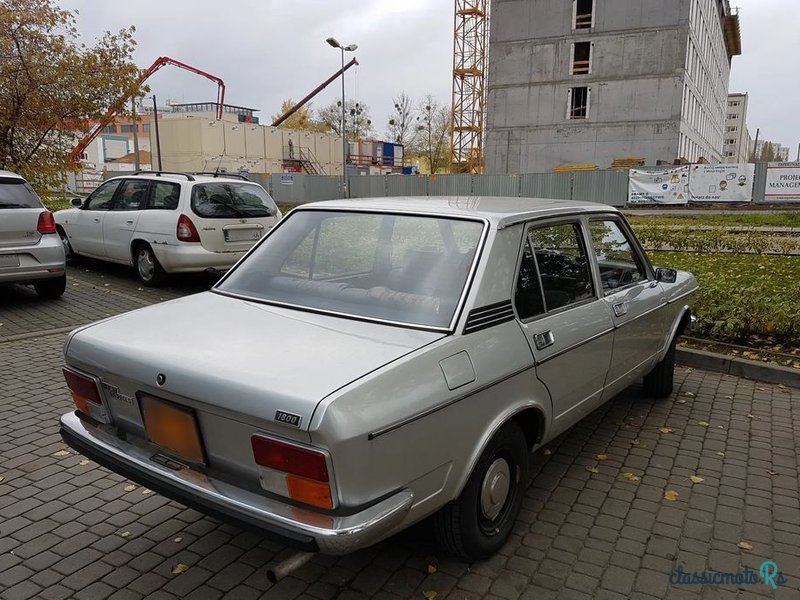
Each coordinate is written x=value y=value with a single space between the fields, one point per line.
x=783 y=181
x=721 y=183
x=670 y=186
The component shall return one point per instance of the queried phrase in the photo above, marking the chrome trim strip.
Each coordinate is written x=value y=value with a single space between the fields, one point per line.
x=333 y=534
x=438 y=407
x=682 y=296
x=578 y=345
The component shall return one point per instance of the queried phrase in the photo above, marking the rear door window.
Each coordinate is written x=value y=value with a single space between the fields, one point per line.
x=231 y=200
x=17 y=193
x=164 y=195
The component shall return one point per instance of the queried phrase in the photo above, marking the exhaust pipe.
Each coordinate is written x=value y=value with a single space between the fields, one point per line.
x=294 y=562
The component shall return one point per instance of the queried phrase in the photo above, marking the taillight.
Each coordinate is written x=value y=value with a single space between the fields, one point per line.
x=85 y=395
x=294 y=472
x=46 y=224
x=186 y=231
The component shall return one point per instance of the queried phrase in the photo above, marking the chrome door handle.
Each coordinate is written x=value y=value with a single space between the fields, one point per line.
x=129 y=222
x=97 y=220
x=620 y=309
x=543 y=339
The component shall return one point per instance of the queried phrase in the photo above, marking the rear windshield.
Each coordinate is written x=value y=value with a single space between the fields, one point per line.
x=405 y=269
x=17 y=193
x=225 y=200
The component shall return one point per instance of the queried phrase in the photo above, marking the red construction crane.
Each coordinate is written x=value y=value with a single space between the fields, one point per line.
x=161 y=61
x=316 y=91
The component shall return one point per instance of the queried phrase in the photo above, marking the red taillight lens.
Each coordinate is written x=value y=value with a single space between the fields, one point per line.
x=186 y=231
x=289 y=459
x=46 y=224
x=84 y=390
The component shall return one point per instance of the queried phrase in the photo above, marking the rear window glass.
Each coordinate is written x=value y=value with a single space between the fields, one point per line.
x=16 y=193
x=402 y=268
x=226 y=200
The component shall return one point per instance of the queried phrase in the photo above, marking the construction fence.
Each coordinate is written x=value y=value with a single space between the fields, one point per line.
x=609 y=187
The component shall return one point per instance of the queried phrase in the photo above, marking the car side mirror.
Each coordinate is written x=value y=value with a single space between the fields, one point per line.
x=666 y=275
x=76 y=202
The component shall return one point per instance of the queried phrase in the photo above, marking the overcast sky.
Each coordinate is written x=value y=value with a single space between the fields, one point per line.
x=270 y=50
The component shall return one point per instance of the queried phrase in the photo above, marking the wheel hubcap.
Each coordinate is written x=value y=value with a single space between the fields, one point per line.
x=495 y=488
x=65 y=243
x=145 y=264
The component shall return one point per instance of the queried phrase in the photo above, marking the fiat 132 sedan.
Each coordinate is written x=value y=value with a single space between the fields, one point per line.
x=371 y=363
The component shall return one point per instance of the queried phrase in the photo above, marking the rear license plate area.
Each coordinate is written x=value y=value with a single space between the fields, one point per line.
x=242 y=235
x=9 y=260
x=173 y=428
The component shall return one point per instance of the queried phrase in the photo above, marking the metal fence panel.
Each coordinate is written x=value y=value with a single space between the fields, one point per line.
x=760 y=182
x=495 y=185
x=546 y=185
x=367 y=186
x=406 y=185
x=450 y=185
x=605 y=187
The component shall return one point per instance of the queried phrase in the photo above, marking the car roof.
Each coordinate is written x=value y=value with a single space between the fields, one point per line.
x=182 y=177
x=10 y=175
x=500 y=211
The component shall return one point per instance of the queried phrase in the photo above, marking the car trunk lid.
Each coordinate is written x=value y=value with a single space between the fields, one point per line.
x=18 y=226
x=253 y=362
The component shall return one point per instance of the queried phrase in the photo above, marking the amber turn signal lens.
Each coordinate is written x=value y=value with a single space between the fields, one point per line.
x=309 y=492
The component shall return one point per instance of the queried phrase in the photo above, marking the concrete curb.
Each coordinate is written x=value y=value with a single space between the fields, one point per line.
x=741 y=367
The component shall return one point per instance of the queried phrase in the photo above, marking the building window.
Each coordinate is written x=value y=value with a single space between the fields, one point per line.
x=110 y=129
x=145 y=127
x=730 y=141
x=128 y=128
x=581 y=58
x=583 y=11
x=578 y=102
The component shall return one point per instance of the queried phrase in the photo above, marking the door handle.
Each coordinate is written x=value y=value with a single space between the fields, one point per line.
x=97 y=220
x=620 y=309
x=129 y=222
x=543 y=339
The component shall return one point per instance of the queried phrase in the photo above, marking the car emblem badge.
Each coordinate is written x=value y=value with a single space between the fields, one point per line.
x=288 y=418
x=161 y=379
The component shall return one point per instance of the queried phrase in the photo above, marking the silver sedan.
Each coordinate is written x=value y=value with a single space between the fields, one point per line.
x=371 y=363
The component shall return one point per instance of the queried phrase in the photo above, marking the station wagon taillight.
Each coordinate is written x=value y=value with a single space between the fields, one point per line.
x=292 y=471
x=186 y=231
x=85 y=394
x=46 y=224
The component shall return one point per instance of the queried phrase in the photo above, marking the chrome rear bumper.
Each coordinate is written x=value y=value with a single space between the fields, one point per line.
x=299 y=526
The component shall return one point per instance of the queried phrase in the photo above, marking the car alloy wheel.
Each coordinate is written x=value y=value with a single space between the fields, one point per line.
x=147 y=266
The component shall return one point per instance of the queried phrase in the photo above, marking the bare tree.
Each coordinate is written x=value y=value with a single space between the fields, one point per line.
x=400 y=129
x=433 y=133
x=358 y=123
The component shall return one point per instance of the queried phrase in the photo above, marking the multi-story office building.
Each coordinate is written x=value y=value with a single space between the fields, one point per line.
x=736 y=143
x=586 y=81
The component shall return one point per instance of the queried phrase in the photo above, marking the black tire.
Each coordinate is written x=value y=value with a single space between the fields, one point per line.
x=462 y=527
x=658 y=383
x=69 y=253
x=51 y=289
x=148 y=269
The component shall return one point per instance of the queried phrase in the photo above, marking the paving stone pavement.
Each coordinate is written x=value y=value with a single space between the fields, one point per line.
x=71 y=529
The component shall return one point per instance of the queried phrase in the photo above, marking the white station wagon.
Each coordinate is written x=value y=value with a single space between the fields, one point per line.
x=374 y=362
x=164 y=222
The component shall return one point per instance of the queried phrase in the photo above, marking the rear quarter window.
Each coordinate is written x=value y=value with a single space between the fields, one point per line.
x=231 y=200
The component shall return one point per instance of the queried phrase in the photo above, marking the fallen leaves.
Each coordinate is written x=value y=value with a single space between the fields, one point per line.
x=770 y=472
x=696 y=479
x=671 y=495
x=636 y=442
x=665 y=429
x=147 y=492
x=601 y=457
x=430 y=595
x=178 y=540
x=432 y=569
x=124 y=534
x=703 y=423
x=129 y=488
x=61 y=453
x=745 y=546
x=592 y=469
x=546 y=452
x=690 y=394
x=722 y=454
x=1 y=478
x=84 y=462
x=631 y=476
x=180 y=568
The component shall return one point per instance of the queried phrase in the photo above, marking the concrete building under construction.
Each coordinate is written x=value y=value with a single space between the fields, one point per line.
x=589 y=82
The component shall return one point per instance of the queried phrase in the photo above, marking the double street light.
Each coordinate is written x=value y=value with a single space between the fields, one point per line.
x=348 y=48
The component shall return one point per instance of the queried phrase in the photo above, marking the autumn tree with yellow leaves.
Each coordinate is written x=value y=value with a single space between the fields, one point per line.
x=53 y=86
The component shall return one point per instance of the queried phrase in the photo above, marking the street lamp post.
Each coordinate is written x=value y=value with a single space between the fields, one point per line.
x=348 y=48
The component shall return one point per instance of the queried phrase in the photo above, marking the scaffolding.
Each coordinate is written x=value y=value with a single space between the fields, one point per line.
x=469 y=72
